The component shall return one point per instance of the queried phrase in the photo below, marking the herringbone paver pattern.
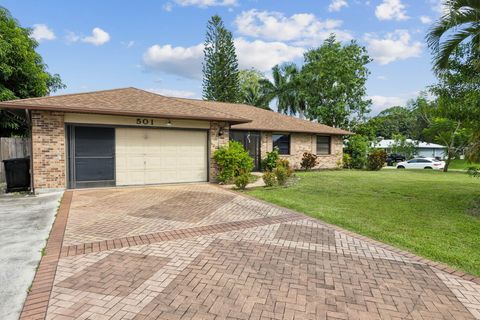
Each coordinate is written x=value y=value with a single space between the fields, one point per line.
x=199 y=252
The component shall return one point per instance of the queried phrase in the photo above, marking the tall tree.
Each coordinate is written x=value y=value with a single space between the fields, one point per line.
x=22 y=71
x=220 y=67
x=251 y=92
x=334 y=77
x=286 y=89
x=459 y=25
x=458 y=99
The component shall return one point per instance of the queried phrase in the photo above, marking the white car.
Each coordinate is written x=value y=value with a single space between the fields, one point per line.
x=421 y=163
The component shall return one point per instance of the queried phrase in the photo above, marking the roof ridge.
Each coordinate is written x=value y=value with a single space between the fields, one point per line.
x=211 y=109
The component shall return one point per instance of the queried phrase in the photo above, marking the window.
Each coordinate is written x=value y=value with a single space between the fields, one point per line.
x=413 y=161
x=323 y=145
x=282 y=142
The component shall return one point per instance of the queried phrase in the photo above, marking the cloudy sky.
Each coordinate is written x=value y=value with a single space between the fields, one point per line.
x=157 y=45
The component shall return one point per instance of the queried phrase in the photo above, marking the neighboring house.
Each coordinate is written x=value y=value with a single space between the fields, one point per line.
x=423 y=149
x=134 y=137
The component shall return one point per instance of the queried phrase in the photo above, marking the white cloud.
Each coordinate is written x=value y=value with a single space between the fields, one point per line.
x=301 y=28
x=173 y=92
x=396 y=45
x=426 y=19
x=263 y=55
x=391 y=10
x=381 y=78
x=182 y=61
x=98 y=37
x=337 y=5
x=187 y=61
x=42 y=32
x=206 y=3
x=380 y=103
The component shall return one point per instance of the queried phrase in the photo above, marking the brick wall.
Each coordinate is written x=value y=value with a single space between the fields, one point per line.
x=216 y=141
x=48 y=153
x=304 y=142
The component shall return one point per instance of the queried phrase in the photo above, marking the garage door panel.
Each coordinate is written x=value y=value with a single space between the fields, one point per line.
x=151 y=156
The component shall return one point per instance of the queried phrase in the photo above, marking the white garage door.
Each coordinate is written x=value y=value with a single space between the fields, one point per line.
x=151 y=156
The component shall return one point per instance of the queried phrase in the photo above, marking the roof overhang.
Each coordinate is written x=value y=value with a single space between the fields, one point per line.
x=6 y=105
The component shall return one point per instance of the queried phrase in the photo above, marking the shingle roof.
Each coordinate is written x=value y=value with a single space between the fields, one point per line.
x=125 y=101
x=266 y=120
x=136 y=102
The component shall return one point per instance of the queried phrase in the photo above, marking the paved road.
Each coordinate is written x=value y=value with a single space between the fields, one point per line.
x=201 y=252
x=25 y=222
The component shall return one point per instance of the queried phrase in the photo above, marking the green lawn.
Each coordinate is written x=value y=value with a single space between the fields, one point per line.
x=462 y=164
x=433 y=214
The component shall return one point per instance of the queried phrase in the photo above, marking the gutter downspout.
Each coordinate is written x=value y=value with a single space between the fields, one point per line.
x=29 y=121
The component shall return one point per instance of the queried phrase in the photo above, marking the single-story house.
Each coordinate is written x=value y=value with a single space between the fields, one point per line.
x=130 y=136
x=423 y=149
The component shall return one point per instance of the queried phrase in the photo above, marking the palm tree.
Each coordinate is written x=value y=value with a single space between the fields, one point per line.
x=286 y=89
x=460 y=24
x=254 y=96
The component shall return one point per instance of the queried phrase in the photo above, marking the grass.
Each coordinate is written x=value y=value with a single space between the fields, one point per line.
x=462 y=164
x=430 y=213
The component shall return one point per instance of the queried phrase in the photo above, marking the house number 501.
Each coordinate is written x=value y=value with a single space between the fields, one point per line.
x=145 y=121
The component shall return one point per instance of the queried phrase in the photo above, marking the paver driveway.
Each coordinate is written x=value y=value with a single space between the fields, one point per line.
x=200 y=252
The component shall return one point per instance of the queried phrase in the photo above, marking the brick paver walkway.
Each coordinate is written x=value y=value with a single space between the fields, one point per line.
x=200 y=252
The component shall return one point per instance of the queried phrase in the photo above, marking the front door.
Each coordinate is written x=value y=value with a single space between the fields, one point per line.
x=251 y=142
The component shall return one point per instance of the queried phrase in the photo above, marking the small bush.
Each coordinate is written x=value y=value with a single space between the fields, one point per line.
x=242 y=181
x=232 y=160
x=269 y=178
x=376 y=159
x=282 y=174
x=270 y=161
x=309 y=161
x=285 y=164
x=347 y=161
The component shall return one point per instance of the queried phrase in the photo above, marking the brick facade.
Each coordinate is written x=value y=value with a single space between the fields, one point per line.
x=48 y=154
x=49 y=149
x=305 y=142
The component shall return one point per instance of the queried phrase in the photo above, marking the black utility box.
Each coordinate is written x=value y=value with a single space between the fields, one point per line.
x=17 y=174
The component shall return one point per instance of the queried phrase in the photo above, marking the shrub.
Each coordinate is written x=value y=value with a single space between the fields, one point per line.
x=347 y=161
x=232 y=161
x=281 y=173
x=270 y=161
x=376 y=159
x=285 y=164
x=357 y=147
x=309 y=161
x=269 y=178
x=242 y=181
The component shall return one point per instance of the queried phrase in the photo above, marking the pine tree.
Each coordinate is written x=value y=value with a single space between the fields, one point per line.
x=220 y=66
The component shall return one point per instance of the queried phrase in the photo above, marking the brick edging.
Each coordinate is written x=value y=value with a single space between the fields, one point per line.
x=171 y=235
x=437 y=265
x=36 y=303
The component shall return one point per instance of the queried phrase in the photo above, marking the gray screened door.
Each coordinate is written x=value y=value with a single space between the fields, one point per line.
x=91 y=156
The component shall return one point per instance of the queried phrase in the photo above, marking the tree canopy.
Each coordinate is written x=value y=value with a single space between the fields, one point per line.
x=22 y=70
x=251 y=91
x=220 y=67
x=334 y=77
